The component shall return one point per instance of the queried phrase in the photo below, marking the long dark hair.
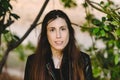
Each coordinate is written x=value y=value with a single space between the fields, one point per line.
x=38 y=71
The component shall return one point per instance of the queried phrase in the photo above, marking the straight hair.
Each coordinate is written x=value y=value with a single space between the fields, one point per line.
x=38 y=71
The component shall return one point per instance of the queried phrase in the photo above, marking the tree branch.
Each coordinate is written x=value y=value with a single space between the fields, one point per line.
x=90 y=3
x=11 y=46
x=4 y=58
x=32 y=26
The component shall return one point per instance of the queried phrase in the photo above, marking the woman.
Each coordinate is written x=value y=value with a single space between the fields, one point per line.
x=56 y=56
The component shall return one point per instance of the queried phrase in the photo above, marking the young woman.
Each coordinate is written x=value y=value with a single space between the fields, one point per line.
x=56 y=56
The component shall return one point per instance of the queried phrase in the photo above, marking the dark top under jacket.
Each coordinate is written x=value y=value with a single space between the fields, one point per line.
x=55 y=73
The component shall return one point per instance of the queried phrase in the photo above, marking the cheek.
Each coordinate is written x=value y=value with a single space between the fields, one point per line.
x=67 y=35
x=66 y=38
x=50 y=38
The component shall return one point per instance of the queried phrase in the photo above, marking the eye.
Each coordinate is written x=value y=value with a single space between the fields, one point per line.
x=52 y=29
x=63 y=28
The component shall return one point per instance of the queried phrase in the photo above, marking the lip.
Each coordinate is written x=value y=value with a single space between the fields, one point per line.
x=58 y=42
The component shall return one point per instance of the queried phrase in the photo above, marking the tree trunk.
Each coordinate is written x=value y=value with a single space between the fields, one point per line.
x=4 y=59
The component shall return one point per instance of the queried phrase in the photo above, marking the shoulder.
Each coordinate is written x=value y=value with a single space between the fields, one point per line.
x=28 y=67
x=85 y=55
x=30 y=60
x=87 y=66
x=86 y=58
x=31 y=57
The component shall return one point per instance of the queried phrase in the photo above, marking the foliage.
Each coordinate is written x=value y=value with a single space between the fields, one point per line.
x=22 y=50
x=6 y=15
x=69 y=3
x=6 y=19
x=105 y=61
x=9 y=40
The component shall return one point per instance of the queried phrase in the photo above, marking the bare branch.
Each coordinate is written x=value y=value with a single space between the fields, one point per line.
x=90 y=3
x=76 y=24
x=4 y=59
x=14 y=45
x=32 y=26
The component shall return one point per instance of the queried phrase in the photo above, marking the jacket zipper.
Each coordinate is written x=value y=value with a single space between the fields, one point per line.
x=50 y=71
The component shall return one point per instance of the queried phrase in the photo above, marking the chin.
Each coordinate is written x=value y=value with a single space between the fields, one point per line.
x=59 y=49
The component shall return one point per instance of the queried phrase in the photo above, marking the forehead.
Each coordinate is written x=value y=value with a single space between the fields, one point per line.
x=57 y=22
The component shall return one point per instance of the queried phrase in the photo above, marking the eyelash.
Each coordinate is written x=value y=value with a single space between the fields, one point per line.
x=63 y=29
x=51 y=30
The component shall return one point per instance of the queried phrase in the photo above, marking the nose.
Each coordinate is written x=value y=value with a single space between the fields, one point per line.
x=58 y=34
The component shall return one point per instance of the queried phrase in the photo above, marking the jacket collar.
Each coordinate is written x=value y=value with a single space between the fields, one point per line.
x=64 y=66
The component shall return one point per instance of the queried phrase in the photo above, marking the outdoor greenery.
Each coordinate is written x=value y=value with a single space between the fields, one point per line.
x=105 y=61
x=7 y=17
x=12 y=41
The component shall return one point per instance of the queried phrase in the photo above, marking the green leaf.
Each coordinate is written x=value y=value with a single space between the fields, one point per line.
x=5 y=5
x=106 y=28
x=106 y=5
x=102 y=32
x=103 y=19
x=16 y=38
x=95 y=30
x=110 y=43
x=114 y=23
x=69 y=3
x=89 y=17
x=97 y=71
x=118 y=43
x=101 y=2
x=117 y=32
x=5 y=31
x=96 y=22
x=20 y=51
x=30 y=46
x=116 y=59
x=22 y=56
x=10 y=6
x=85 y=5
x=15 y=16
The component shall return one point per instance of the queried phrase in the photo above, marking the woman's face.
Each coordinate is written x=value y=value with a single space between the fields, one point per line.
x=58 y=34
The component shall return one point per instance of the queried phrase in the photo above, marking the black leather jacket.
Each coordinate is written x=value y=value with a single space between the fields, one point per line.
x=50 y=68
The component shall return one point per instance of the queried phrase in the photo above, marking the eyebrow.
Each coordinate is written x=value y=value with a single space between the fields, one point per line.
x=54 y=27
x=63 y=26
x=51 y=27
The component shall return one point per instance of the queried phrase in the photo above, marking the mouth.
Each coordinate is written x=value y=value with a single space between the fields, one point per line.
x=59 y=42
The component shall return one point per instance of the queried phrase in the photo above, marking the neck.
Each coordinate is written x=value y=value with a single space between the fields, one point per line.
x=57 y=58
x=57 y=61
x=56 y=53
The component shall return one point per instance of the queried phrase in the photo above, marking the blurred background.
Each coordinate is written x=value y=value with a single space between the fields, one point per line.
x=97 y=32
